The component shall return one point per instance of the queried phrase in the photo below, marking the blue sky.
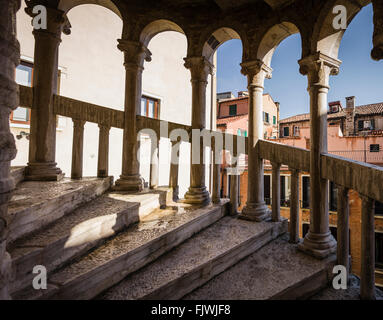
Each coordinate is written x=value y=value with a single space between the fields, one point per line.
x=359 y=75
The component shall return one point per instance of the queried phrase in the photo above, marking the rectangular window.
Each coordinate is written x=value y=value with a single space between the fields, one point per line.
x=286 y=131
x=296 y=131
x=360 y=125
x=267 y=117
x=233 y=110
x=274 y=120
x=379 y=250
x=305 y=192
x=374 y=148
x=24 y=76
x=378 y=208
x=150 y=107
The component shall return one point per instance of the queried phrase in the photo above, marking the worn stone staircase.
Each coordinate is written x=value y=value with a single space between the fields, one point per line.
x=99 y=243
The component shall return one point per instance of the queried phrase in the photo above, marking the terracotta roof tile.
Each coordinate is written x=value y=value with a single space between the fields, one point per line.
x=376 y=108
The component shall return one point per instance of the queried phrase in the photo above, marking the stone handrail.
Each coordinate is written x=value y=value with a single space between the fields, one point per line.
x=283 y=154
x=355 y=175
x=84 y=111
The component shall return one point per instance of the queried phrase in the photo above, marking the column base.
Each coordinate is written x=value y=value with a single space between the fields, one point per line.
x=133 y=183
x=255 y=212
x=43 y=171
x=197 y=196
x=318 y=245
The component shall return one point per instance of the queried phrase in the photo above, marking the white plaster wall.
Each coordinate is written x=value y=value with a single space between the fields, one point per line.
x=92 y=71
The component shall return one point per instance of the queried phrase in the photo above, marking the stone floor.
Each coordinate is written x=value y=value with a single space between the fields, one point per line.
x=351 y=293
x=274 y=269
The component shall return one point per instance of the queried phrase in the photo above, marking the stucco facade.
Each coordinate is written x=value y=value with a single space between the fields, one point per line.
x=95 y=74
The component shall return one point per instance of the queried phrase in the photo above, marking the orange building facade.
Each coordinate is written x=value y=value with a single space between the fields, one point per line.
x=353 y=132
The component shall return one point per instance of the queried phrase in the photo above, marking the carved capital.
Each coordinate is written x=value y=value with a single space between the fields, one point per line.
x=199 y=67
x=318 y=67
x=135 y=53
x=377 y=51
x=256 y=71
x=57 y=21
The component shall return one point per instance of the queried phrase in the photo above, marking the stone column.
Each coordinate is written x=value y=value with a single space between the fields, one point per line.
x=367 y=275
x=256 y=208
x=154 y=163
x=77 y=148
x=216 y=185
x=276 y=190
x=134 y=55
x=174 y=165
x=294 y=206
x=234 y=182
x=199 y=68
x=9 y=100
x=343 y=226
x=42 y=143
x=318 y=67
x=103 y=151
x=377 y=51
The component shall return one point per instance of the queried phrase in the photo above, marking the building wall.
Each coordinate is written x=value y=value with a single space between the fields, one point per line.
x=92 y=71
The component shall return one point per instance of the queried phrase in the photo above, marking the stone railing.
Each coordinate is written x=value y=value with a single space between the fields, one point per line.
x=81 y=112
x=347 y=174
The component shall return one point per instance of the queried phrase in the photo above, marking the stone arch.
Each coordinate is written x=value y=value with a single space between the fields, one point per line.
x=216 y=39
x=156 y=27
x=272 y=38
x=67 y=5
x=325 y=38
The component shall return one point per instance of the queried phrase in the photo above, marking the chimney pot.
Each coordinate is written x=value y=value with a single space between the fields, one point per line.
x=350 y=102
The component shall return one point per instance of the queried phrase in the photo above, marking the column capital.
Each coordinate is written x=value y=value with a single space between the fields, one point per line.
x=199 y=68
x=78 y=123
x=294 y=171
x=318 y=67
x=256 y=72
x=135 y=53
x=275 y=164
x=57 y=21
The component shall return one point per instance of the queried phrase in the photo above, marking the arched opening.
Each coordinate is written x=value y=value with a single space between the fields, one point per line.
x=67 y=5
x=229 y=114
x=99 y=80
x=166 y=95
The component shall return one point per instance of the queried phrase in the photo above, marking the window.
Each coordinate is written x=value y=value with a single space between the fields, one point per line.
x=267 y=118
x=296 y=131
x=233 y=110
x=333 y=205
x=150 y=107
x=305 y=192
x=24 y=76
x=374 y=148
x=379 y=250
x=274 y=120
x=378 y=208
x=239 y=132
x=286 y=131
x=366 y=125
x=285 y=191
x=245 y=134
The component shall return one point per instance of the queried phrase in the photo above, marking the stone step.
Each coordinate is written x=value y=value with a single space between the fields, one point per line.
x=276 y=271
x=76 y=233
x=140 y=244
x=197 y=260
x=18 y=174
x=35 y=205
x=71 y=236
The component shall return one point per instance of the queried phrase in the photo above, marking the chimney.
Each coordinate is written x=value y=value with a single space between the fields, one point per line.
x=350 y=102
x=242 y=94
x=350 y=116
